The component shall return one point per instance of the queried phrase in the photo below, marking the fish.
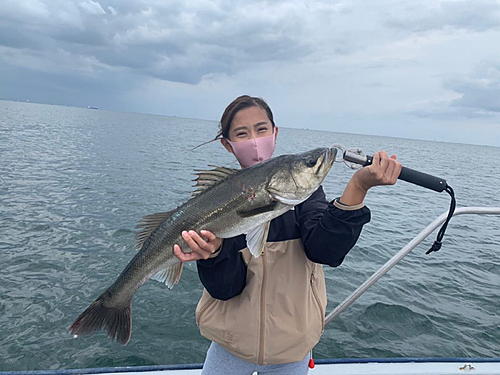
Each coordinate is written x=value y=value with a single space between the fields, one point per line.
x=228 y=202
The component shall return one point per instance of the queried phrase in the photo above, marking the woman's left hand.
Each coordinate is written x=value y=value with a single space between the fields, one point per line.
x=384 y=170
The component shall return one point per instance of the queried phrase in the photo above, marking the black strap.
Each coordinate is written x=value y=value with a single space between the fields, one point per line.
x=437 y=244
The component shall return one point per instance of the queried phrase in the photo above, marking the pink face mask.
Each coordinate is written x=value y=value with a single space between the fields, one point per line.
x=253 y=151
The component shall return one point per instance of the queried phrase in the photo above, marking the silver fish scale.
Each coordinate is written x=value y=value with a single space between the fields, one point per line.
x=214 y=209
x=235 y=205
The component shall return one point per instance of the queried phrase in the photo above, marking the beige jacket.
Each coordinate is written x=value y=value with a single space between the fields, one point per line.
x=279 y=316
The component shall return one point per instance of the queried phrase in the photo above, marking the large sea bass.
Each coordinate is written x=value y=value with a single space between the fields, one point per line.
x=227 y=202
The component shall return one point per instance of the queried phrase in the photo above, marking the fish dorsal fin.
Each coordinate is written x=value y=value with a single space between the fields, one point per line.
x=147 y=225
x=169 y=276
x=209 y=178
x=257 y=238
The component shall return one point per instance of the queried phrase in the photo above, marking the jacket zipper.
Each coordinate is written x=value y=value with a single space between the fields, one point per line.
x=318 y=302
x=260 y=358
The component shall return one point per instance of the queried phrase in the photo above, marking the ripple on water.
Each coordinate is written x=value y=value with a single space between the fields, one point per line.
x=123 y=232
x=73 y=184
x=397 y=321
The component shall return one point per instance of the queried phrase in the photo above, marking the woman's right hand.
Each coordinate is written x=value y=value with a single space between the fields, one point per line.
x=201 y=248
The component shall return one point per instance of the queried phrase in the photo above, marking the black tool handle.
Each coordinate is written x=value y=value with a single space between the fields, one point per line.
x=407 y=174
x=423 y=179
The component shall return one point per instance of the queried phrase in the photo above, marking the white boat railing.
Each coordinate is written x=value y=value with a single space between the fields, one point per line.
x=405 y=251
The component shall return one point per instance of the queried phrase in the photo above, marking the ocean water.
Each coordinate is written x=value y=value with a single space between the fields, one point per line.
x=74 y=183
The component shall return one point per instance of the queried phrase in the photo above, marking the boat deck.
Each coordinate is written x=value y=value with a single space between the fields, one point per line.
x=378 y=366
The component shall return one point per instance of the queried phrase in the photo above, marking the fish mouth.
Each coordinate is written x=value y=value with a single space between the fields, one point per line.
x=326 y=162
x=332 y=154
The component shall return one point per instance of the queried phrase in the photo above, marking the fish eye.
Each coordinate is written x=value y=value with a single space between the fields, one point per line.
x=311 y=162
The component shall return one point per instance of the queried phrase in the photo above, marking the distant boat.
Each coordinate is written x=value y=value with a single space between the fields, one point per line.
x=89 y=107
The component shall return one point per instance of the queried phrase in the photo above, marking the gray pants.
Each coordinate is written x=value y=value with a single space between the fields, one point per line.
x=219 y=361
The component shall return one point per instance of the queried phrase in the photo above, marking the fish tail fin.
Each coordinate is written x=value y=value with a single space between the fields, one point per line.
x=117 y=321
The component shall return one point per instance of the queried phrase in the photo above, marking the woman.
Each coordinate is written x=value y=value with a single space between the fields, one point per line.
x=266 y=314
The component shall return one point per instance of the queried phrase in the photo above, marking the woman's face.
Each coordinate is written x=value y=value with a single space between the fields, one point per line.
x=250 y=123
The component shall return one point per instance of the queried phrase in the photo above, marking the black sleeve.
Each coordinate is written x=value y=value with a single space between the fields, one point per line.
x=327 y=232
x=224 y=276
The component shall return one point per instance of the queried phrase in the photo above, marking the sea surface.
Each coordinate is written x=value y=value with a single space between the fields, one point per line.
x=74 y=182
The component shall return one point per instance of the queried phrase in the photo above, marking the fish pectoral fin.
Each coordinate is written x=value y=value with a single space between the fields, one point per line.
x=169 y=276
x=147 y=225
x=207 y=179
x=257 y=210
x=257 y=238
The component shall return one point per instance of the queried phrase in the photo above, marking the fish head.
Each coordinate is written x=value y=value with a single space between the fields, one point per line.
x=299 y=175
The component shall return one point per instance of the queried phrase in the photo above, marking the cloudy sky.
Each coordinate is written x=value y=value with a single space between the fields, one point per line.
x=418 y=69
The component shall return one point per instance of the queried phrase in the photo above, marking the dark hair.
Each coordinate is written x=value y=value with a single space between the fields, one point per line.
x=237 y=105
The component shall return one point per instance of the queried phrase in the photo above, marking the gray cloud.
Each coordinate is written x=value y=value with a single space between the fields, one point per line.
x=478 y=96
x=447 y=112
x=324 y=60
x=474 y=15
x=176 y=40
x=481 y=91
